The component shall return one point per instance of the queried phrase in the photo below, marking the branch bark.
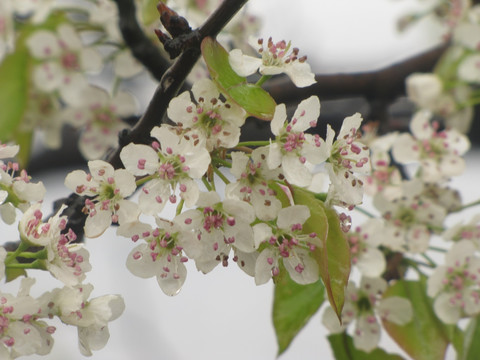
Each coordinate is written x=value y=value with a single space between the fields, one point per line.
x=142 y=48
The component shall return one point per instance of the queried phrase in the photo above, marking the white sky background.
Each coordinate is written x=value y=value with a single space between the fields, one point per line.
x=224 y=315
x=347 y=35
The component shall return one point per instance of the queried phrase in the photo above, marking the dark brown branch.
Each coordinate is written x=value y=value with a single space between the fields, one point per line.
x=143 y=49
x=385 y=85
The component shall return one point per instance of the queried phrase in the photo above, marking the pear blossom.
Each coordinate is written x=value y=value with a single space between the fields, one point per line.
x=455 y=286
x=91 y=316
x=364 y=306
x=276 y=58
x=410 y=219
x=170 y=162
x=424 y=89
x=63 y=58
x=469 y=231
x=22 y=333
x=438 y=152
x=285 y=242
x=211 y=119
x=346 y=156
x=44 y=115
x=66 y=261
x=220 y=226
x=108 y=189
x=364 y=242
x=162 y=254
x=16 y=190
x=104 y=13
x=384 y=177
x=100 y=116
x=253 y=176
x=293 y=149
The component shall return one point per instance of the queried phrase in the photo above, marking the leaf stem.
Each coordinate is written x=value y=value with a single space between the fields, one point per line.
x=253 y=143
x=220 y=175
x=264 y=78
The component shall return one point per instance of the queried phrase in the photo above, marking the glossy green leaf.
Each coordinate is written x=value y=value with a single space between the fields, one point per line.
x=334 y=257
x=293 y=306
x=471 y=345
x=344 y=349
x=425 y=337
x=251 y=97
x=13 y=92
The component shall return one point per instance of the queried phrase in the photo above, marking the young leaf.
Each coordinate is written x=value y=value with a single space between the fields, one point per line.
x=251 y=97
x=471 y=345
x=425 y=337
x=13 y=92
x=334 y=257
x=293 y=306
x=344 y=349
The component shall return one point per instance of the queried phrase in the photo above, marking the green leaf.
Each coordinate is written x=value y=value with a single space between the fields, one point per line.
x=471 y=345
x=15 y=72
x=251 y=97
x=334 y=257
x=344 y=349
x=293 y=306
x=425 y=337
x=13 y=92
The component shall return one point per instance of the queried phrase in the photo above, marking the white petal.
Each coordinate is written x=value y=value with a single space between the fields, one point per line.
x=395 y=309
x=307 y=112
x=97 y=224
x=133 y=153
x=367 y=333
x=445 y=311
x=296 y=214
x=279 y=117
x=300 y=74
x=371 y=262
x=206 y=89
x=140 y=263
x=243 y=65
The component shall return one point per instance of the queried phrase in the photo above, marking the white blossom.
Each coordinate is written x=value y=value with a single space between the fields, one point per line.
x=108 y=188
x=276 y=58
x=364 y=306
x=286 y=242
x=455 y=286
x=171 y=161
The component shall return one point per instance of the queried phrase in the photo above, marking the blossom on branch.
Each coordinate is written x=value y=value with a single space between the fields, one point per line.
x=438 y=152
x=365 y=305
x=455 y=286
x=253 y=176
x=107 y=189
x=276 y=58
x=214 y=121
x=171 y=161
x=221 y=226
x=293 y=149
x=286 y=242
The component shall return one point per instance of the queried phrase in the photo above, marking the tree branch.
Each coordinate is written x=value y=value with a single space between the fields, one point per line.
x=142 y=48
